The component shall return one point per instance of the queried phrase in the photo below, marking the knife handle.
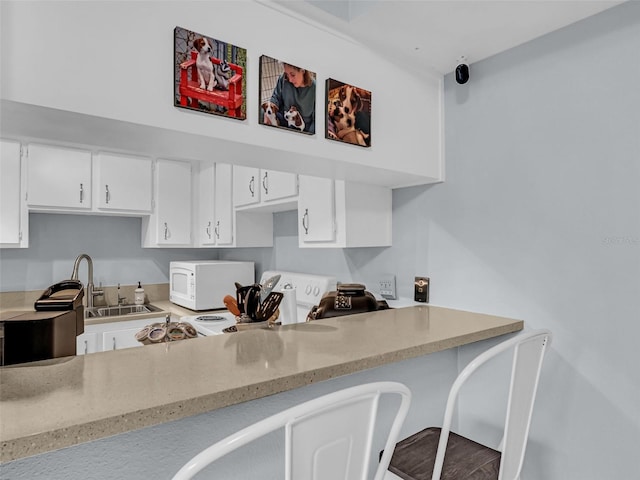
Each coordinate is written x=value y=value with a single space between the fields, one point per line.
x=231 y=304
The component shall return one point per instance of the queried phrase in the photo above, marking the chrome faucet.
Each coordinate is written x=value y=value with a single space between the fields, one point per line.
x=121 y=300
x=89 y=289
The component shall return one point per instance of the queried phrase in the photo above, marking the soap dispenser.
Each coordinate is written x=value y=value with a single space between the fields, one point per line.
x=139 y=295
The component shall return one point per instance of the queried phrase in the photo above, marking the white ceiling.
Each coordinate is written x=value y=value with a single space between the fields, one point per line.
x=427 y=36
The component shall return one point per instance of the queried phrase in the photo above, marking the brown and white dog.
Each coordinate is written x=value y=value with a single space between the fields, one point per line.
x=204 y=64
x=345 y=124
x=350 y=99
x=294 y=119
x=270 y=109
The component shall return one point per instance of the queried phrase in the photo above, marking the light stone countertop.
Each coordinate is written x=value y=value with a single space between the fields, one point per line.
x=57 y=403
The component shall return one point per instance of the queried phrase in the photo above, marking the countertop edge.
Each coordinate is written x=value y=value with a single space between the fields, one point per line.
x=13 y=449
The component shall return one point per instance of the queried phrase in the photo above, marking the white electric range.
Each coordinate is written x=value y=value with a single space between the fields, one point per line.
x=302 y=292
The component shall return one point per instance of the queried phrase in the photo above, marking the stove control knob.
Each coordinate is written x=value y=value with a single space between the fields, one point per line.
x=307 y=290
x=316 y=291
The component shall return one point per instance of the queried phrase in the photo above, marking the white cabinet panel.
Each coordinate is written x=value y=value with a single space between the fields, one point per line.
x=204 y=204
x=214 y=205
x=223 y=229
x=265 y=190
x=58 y=177
x=115 y=335
x=339 y=214
x=14 y=218
x=88 y=343
x=170 y=223
x=246 y=185
x=276 y=185
x=316 y=210
x=123 y=182
x=118 y=339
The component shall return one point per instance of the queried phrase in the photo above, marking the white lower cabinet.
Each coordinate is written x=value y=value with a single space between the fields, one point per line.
x=88 y=343
x=339 y=214
x=14 y=217
x=170 y=223
x=102 y=337
x=117 y=339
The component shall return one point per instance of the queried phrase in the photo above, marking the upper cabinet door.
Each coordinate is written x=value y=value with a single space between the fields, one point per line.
x=123 y=182
x=246 y=185
x=223 y=205
x=173 y=202
x=205 y=223
x=276 y=185
x=58 y=177
x=11 y=206
x=316 y=210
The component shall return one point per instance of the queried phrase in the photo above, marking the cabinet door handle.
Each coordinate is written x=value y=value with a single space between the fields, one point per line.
x=252 y=186
x=305 y=221
x=218 y=229
x=166 y=231
x=265 y=183
x=107 y=195
x=208 y=229
x=86 y=347
x=81 y=193
x=114 y=343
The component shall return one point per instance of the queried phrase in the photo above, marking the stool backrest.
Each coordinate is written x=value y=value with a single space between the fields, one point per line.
x=528 y=352
x=327 y=438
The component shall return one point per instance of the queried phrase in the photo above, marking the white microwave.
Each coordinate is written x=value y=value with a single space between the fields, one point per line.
x=202 y=285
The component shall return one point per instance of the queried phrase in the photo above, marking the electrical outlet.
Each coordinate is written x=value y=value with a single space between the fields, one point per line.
x=421 y=290
x=387 y=286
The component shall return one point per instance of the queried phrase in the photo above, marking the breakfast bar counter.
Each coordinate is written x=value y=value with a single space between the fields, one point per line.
x=62 y=402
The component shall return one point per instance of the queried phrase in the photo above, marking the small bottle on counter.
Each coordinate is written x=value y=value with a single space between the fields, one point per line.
x=138 y=298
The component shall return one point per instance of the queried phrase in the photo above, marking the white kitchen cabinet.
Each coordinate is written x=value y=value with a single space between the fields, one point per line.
x=316 y=210
x=250 y=228
x=88 y=343
x=102 y=337
x=276 y=185
x=204 y=204
x=170 y=223
x=213 y=203
x=339 y=214
x=246 y=188
x=58 y=178
x=223 y=225
x=14 y=217
x=262 y=189
x=123 y=183
x=118 y=339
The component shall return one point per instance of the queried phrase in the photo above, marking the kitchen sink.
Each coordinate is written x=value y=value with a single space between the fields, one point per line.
x=119 y=310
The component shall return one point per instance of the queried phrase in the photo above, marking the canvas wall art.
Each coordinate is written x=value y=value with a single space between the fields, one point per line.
x=348 y=113
x=210 y=75
x=287 y=96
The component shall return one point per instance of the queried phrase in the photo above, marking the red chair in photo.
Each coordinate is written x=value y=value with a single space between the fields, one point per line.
x=190 y=91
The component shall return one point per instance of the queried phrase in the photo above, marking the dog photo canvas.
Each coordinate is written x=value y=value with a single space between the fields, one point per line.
x=210 y=75
x=348 y=113
x=287 y=96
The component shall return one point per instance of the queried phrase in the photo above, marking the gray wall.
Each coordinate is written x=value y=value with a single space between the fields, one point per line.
x=539 y=219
